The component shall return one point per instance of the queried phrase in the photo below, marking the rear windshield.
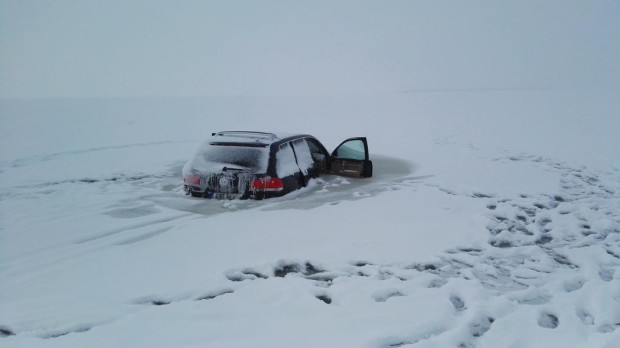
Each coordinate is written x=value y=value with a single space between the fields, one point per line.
x=241 y=157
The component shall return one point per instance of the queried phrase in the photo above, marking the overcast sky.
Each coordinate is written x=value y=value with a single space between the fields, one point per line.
x=140 y=48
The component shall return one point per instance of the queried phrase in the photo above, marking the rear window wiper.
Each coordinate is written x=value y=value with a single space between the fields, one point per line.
x=225 y=169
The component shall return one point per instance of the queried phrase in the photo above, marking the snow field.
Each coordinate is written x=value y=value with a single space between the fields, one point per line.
x=457 y=241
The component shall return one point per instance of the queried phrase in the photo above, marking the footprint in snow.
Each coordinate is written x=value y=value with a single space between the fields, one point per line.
x=548 y=320
x=5 y=332
x=458 y=303
x=325 y=298
x=480 y=326
x=245 y=274
x=573 y=285
x=386 y=295
x=585 y=317
x=606 y=275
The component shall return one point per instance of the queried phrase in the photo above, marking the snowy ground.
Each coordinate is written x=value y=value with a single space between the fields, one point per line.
x=493 y=220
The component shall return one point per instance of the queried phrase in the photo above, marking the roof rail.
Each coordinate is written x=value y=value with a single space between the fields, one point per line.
x=247 y=134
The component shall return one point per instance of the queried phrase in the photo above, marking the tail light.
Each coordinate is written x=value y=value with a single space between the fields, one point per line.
x=192 y=179
x=267 y=185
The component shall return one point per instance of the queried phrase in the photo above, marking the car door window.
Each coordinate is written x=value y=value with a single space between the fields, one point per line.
x=352 y=149
x=285 y=161
x=316 y=150
x=304 y=157
x=351 y=159
x=319 y=154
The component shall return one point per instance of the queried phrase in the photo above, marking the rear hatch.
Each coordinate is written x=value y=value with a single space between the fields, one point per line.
x=225 y=168
x=228 y=181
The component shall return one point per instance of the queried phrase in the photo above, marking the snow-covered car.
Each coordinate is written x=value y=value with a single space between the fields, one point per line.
x=257 y=165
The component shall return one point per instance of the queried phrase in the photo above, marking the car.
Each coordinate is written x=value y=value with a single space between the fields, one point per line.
x=258 y=165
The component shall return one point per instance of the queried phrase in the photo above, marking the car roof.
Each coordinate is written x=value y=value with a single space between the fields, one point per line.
x=252 y=138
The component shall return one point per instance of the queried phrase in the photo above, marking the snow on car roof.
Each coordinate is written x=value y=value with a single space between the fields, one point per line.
x=247 y=137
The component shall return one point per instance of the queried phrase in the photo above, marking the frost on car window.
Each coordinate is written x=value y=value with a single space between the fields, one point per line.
x=353 y=149
x=304 y=157
x=285 y=161
x=240 y=157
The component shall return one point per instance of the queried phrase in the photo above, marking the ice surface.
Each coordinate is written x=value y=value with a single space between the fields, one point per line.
x=449 y=244
x=492 y=218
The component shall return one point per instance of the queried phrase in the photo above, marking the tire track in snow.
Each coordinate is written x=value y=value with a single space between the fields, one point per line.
x=56 y=256
x=25 y=161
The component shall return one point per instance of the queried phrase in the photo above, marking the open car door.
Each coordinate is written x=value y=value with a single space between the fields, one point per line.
x=350 y=158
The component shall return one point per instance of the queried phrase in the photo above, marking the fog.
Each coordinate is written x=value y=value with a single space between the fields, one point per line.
x=70 y=49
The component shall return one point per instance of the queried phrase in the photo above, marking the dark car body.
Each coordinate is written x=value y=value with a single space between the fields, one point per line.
x=257 y=165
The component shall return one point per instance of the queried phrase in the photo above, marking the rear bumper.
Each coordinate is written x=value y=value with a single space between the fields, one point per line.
x=197 y=192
